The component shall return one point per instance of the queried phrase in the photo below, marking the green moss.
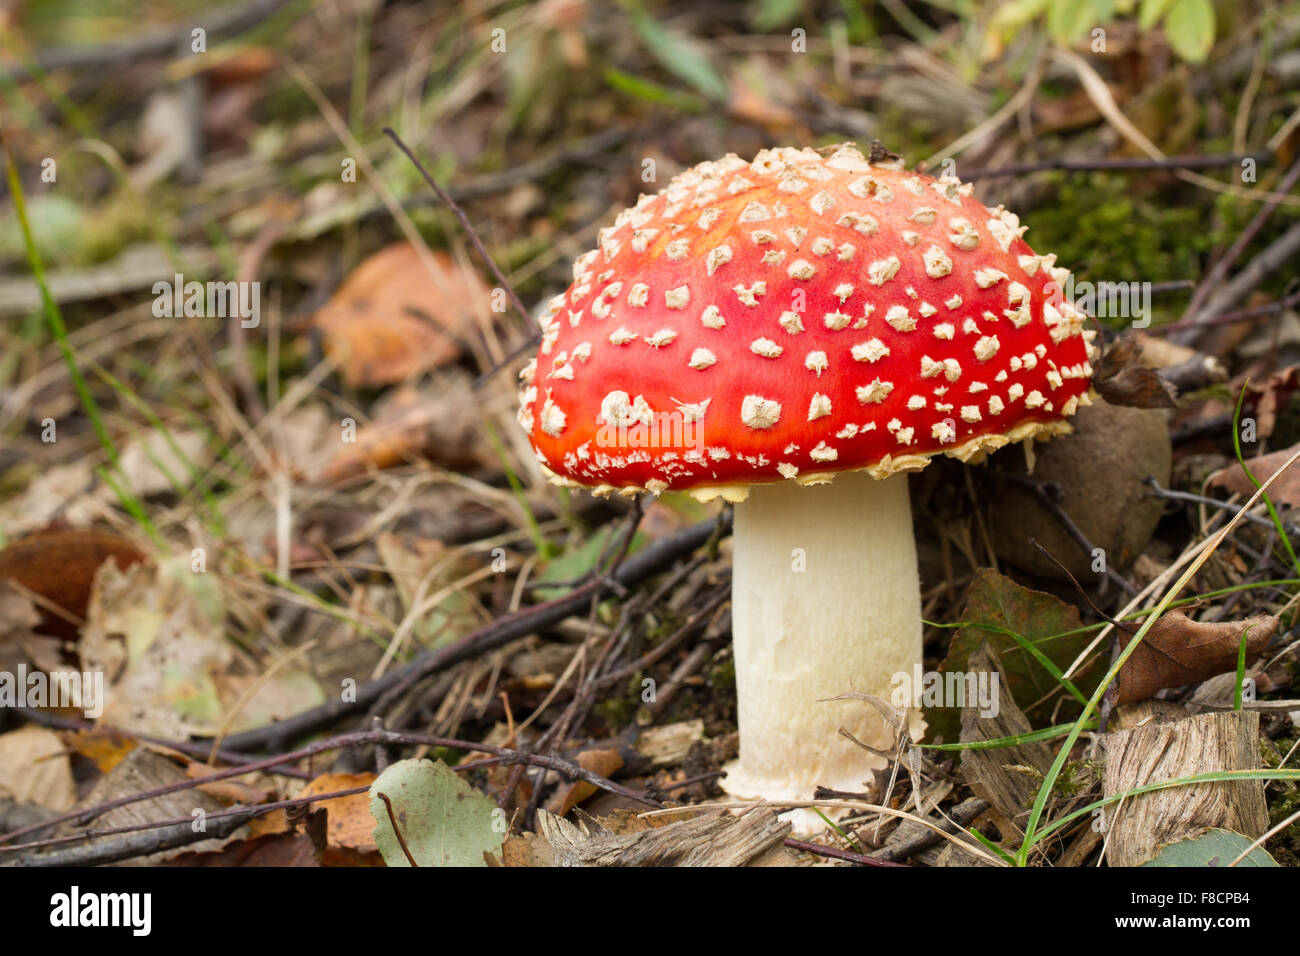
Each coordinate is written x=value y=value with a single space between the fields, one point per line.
x=618 y=712
x=1103 y=232
x=722 y=677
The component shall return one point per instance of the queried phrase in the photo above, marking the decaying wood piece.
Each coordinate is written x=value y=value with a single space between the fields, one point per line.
x=1007 y=777
x=706 y=840
x=1145 y=713
x=144 y=770
x=1138 y=826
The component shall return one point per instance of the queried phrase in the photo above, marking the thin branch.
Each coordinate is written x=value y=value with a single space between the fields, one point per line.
x=357 y=738
x=1073 y=530
x=1247 y=236
x=397 y=831
x=1227 y=318
x=464 y=224
x=1119 y=164
x=649 y=561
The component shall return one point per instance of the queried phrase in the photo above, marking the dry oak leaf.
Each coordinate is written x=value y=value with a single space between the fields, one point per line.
x=393 y=317
x=1284 y=491
x=1178 y=651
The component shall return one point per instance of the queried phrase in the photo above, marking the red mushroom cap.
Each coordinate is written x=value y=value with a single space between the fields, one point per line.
x=798 y=316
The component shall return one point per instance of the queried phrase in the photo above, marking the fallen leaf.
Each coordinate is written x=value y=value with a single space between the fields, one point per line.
x=18 y=615
x=444 y=424
x=146 y=771
x=1178 y=651
x=421 y=567
x=156 y=633
x=34 y=768
x=1265 y=400
x=603 y=762
x=104 y=748
x=391 y=318
x=1122 y=379
x=60 y=566
x=270 y=699
x=278 y=850
x=349 y=826
x=239 y=66
x=443 y=820
x=996 y=600
x=229 y=791
x=66 y=493
x=1284 y=491
x=298 y=849
x=1214 y=847
x=156 y=462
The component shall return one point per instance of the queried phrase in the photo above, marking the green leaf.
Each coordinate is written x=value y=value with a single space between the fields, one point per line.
x=443 y=820
x=770 y=14
x=653 y=92
x=583 y=559
x=1151 y=12
x=1189 y=28
x=996 y=609
x=1212 y=848
x=682 y=56
x=1068 y=20
x=1014 y=14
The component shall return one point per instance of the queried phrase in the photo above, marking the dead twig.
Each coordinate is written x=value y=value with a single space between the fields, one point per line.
x=650 y=561
x=1120 y=164
x=467 y=226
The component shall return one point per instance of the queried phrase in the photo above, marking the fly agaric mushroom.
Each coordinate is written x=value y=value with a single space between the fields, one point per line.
x=758 y=328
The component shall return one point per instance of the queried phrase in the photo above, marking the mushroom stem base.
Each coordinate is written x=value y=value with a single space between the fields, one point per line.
x=825 y=601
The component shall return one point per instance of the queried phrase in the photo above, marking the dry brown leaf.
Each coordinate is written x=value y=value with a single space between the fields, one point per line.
x=603 y=762
x=391 y=319
x=70 y=495
x=34 y=768
x=1122 y=379
x=156 y=631
x=1284 y=491
x=60 y=566
x=103 y=747
x=1178 y=651
x=241 y=66
x=441 y=421
x=303 y=848
x=18 y=615
x=350 y=825
x=278 y=850
x=1263 y=401
x=398 y=434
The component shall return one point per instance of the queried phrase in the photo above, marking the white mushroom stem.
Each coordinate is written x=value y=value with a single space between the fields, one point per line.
x=825 y=600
